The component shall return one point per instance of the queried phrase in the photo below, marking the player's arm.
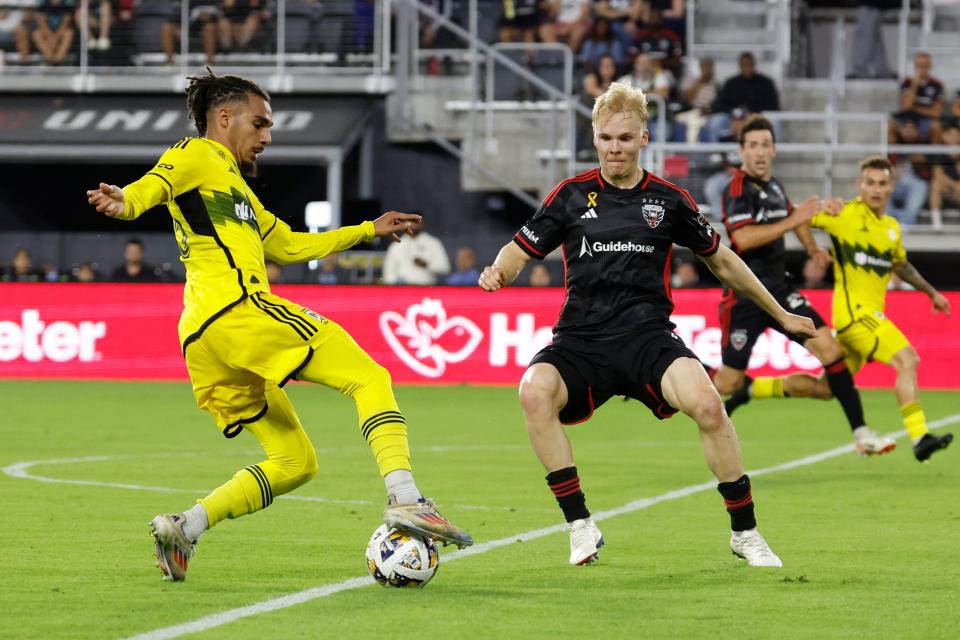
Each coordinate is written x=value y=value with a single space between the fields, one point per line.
x=817 y=253
x=285 y=246
x=909 y=274
x=751 y=236
x=733 y=272
x=509 y=263
x=175 y=173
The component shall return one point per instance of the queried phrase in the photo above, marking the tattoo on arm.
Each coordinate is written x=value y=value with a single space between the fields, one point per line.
x=909 y=274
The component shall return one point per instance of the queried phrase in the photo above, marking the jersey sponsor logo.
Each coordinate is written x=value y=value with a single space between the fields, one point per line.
x=243 y=210
x=738 y=339
x=739 y=218
x=426 y=340
x=529 y=234
x=588 y=248
x=864 y=259
x=653 y=214
x=796 y=300
x=35 y=340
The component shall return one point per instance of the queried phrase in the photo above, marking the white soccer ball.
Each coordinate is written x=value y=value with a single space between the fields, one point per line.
x=396 y=559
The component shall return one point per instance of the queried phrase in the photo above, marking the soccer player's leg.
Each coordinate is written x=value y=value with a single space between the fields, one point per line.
x=683 y=385
x=741 y=323
x=341 y=364
x=893 y=348
x=555 y=390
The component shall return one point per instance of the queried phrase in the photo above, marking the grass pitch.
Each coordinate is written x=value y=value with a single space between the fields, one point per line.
x=869 y=545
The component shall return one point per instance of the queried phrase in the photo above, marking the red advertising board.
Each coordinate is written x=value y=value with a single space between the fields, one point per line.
x=422 y=335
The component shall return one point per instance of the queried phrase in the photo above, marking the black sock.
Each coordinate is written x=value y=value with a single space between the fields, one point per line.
x=739 y=502
x=844 y=390
x=565 y=484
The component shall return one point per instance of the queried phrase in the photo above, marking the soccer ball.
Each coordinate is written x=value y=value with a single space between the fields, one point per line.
x=396 y=559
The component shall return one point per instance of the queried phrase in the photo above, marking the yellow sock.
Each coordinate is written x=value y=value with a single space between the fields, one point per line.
x=247 y=491
x=767 y=387
x=386 y=433
x=914 y=420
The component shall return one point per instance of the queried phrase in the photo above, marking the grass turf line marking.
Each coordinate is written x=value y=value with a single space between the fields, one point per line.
x=266 y=606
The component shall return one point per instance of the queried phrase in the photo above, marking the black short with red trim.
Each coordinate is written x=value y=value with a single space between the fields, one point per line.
x=595 y=370
x=742 y=322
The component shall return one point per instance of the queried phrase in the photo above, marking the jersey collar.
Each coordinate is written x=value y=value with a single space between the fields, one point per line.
x=224 y=153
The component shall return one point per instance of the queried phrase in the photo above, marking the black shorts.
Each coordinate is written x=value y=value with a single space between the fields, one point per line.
x=742 y=322
x=596 y=370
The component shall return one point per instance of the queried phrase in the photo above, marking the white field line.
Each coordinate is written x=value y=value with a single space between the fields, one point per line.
x=290 y=600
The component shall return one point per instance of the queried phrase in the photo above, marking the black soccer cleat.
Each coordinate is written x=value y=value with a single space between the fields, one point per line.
x=929 y=444
x=739 y=397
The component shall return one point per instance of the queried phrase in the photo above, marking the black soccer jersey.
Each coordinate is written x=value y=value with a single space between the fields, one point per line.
x=749 y=200
x=616 y=249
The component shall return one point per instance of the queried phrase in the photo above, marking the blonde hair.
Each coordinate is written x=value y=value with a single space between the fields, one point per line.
x=621 y=98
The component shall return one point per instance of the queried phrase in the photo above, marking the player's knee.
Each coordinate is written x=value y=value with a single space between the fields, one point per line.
x=537 y=395
x=821 y=390
x=906 y=360
x=708 y=412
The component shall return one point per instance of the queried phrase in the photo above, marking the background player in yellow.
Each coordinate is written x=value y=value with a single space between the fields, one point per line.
x=867 y=248
x=242 y=343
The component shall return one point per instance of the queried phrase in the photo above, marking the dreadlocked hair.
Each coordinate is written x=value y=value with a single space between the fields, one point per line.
x=211 y=90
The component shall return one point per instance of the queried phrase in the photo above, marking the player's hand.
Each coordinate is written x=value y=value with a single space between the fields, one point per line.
x=393 y=223
x=108 y=199
x=940 y=303
x=821 y=257
x=491 y=279
x=807 y=209
x=799 y=326
x=832 y=205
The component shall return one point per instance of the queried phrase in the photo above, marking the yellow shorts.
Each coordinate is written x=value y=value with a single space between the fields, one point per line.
x=264 y=340
x=871 y=337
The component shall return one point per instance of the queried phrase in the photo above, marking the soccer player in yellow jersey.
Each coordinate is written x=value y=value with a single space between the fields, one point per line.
x=241 y=343
x=867 y=248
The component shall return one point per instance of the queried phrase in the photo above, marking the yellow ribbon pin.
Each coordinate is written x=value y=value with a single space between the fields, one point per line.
x=592 y=198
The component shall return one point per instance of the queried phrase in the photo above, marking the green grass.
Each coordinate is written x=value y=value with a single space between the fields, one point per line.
x=869 y=545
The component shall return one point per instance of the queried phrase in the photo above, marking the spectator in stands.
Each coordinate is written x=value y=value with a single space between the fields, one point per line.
x=814 y=275
x=653 y=80
x=601 y=43
x=869 y=53
x=274 y=272
x=238 y=24
x=660 y=42
x=945 y=184
x=539 y=276
x=134 y=269
x=466 y=274
x=21 y=268
x=571 y=21
x=754 y=91
x=54 y=30
x=204 y=15
x=525 y=21
x=330 y=272
x=14 y=31
x=99 y=22
x=685 y=274
x=84 y=272
x=726 y=162
x=420 y=259
x=698 y=91
x=921 y=100
x=623 y=16
x=910 y=188
x=595 y=84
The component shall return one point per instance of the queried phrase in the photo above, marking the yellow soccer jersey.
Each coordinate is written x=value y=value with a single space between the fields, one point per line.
x=223 y=231
x=865 y=248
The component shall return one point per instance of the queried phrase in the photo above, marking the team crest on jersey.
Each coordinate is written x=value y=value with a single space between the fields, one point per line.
x=738 y=339
x=796 y=300
x=653 y=214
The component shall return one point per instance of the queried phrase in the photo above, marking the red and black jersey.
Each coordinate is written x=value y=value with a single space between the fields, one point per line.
x=749 y=200
x=929 y=92
x=616 y=249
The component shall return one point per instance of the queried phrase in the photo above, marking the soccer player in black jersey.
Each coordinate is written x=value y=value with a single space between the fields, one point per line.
x=616 y=225
x=758 y=214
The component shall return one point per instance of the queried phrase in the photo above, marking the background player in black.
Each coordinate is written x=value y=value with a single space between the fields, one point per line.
x=758 y=214
x=617 y=225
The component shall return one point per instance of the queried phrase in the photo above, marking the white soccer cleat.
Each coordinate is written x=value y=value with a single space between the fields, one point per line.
x=869 y=443
x=750 y=546
x=173 y=550
x=585 y=542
